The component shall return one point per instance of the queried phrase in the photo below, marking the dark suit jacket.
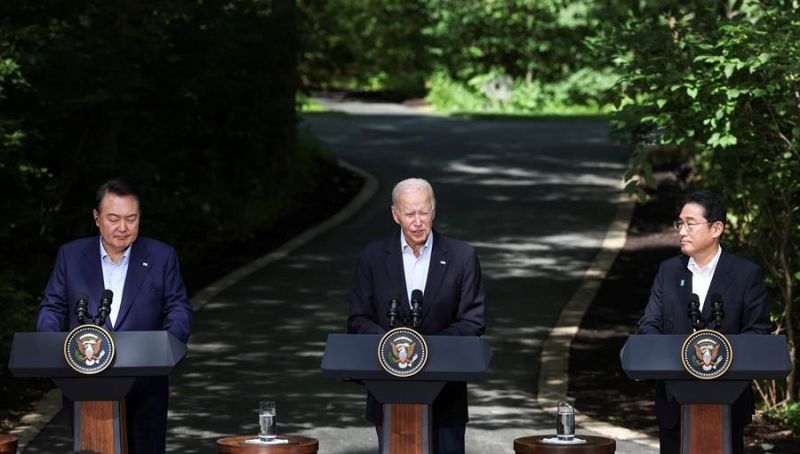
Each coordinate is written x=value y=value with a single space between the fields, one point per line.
x=154 y=298
x=453 y=304
x=744 y=297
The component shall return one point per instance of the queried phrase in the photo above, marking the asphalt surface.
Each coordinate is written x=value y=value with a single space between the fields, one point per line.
x=535 y=198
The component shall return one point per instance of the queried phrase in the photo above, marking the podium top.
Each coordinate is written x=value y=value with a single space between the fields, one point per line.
x=139 y=353
x=451 y=358
x=658 y=357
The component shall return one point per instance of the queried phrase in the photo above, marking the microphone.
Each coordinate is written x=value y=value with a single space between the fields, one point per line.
x=105 y=306
x=393 y=312
x=82 y=308
x=717 y=314
x=416 y=307
x=694 y=311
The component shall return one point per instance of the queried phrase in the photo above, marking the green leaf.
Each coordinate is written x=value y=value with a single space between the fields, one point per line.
x=692 y=92
x=729 y=68
x=661 y=103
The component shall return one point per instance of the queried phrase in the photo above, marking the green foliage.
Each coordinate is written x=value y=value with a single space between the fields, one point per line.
x=525 y=39
x=456 y=46
x=365 y=44
x=714 y=80
x=586 y=91
x=541 y=46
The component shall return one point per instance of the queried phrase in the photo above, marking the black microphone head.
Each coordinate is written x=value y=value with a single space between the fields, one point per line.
x=82 y=300
x=716 y=300
x=416 y=296
x=82 y=307
x=694 y=301
x=105 y=304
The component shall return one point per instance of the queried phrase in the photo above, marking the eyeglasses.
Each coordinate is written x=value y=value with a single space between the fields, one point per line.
x=690 y=226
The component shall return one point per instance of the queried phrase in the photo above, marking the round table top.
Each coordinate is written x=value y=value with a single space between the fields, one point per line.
x=536 y=445
x=237 y=445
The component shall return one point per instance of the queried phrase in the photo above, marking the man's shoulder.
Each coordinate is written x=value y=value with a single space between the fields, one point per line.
x=379 y=246
x=739 y=262
x=154 y=246
x=451 y=243
x=80 y=244
x=675 y=263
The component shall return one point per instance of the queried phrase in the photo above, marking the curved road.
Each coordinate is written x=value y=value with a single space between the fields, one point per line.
x=536 y=199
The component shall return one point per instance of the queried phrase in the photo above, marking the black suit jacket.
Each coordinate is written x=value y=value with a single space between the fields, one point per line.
x=740 y=283
x=453 y=304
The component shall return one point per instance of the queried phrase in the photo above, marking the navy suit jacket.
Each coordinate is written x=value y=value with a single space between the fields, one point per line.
x=739 y=282
x=453 y=304
x=153 y=298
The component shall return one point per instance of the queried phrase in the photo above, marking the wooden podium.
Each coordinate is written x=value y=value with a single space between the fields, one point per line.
x=99 y=422
x=406 y=401
x=705 y=404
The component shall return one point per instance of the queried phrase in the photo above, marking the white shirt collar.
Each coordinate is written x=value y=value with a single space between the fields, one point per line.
x=106 y=258
x=707 y=270
x=425 y=247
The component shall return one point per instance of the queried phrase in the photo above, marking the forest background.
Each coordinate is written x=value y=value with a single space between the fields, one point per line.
x=198 y=103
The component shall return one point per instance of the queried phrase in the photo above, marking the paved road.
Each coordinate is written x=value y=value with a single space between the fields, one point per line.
x=534 y=197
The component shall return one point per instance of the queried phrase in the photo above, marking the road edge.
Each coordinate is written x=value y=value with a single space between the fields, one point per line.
x=554 y=372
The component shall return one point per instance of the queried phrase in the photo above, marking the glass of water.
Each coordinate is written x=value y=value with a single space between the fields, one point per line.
x=266 y=420
x=565 y=421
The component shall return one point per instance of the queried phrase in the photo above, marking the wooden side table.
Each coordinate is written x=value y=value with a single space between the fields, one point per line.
x=8 y=444
x=297 y=445
x=593 y=445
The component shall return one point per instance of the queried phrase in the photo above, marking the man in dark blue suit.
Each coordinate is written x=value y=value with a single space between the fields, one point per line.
x=448 y=272
x=148 y=294
x=704 y=269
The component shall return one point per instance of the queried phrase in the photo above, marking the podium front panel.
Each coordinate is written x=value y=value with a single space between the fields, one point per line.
x=658 y=357
x=450 y=358
x=138 y=354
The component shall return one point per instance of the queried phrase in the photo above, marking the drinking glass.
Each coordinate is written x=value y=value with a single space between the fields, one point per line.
x=565 y=421
x=266 y=420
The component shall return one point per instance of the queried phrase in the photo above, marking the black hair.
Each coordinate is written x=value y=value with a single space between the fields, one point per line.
x=118 y=186
x=712 y=205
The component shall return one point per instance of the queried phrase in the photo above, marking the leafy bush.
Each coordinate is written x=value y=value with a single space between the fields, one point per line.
x=587 y=91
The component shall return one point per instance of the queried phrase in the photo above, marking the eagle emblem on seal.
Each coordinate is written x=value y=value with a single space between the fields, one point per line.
x=707 y=353
x=403 y=352
x=90 y=348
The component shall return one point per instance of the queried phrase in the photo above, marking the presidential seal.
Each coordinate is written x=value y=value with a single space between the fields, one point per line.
x=706 y=354
x=402 y=352
x=89 y=349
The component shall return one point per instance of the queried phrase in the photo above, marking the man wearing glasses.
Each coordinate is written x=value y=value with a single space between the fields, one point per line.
x=704 y=269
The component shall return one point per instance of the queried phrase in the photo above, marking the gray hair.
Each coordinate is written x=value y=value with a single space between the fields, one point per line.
x=413 y=185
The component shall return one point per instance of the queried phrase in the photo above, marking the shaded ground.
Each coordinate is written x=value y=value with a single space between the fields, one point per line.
x=597 y=381
x=331 y=188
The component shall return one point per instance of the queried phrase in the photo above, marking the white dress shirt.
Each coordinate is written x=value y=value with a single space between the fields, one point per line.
x=702 y=276
x=114 y=278
x=416 y=268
